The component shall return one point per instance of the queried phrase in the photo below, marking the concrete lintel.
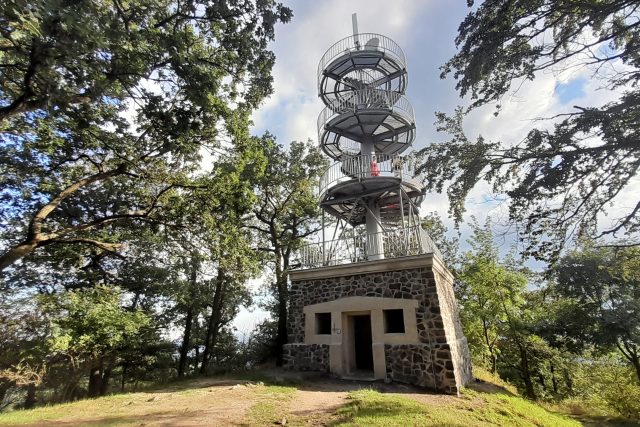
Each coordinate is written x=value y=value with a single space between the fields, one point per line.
x=378 y=266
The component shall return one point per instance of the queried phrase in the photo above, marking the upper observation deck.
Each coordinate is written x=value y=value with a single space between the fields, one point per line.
x=382 y=117
x=361 y=61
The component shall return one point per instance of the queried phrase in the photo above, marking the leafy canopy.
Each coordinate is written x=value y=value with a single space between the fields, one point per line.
x=559 y=178
x=107 y=107
x=91 y=323
x=601 y=289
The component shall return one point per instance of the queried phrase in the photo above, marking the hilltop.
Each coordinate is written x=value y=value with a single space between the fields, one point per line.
x=286 y=400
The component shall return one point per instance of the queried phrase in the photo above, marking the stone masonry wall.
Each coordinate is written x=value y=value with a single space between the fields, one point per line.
x=443 y=349
x=453 y=328
x=421 y=365
x=408 y=284
x=307 y=357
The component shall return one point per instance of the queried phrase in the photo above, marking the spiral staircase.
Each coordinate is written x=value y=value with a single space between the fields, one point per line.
x=366 y=127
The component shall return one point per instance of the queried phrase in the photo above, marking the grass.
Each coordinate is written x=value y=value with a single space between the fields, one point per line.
x=253 y=403
x=273 y=406
x=157 y=404
x=371 y=408
x=79 y=410
x=589 y=414
x=484 y=375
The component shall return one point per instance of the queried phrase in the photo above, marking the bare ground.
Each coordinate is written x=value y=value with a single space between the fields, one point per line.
x=225 y=402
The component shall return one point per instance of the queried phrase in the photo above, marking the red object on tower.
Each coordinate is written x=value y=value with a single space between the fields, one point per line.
x=375 y=169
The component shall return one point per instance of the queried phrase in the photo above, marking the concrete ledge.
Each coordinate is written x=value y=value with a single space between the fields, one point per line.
x=378 y=266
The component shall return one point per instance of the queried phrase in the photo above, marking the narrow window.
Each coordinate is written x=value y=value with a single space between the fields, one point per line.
x=323 y=323
x=393 y=321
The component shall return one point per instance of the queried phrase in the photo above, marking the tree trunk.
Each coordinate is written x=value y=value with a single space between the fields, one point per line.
x=184 y=348
x=554 y=381
x=568 y=381
x=134 y=302
x=636 y=364
x=94 y=382
x=281 y=337
x=124 y=378
x=35 y=237
x=634 y=358
x=492 y=357
x=630 y=352
x=209 y=342
x=17 y=252
x=542 y=381
x=214 y=322
x=526 y=374
x=186 y=338
x=104 y=381
x=30 y=399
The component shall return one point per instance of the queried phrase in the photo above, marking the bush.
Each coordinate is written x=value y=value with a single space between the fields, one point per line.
x=610 y=386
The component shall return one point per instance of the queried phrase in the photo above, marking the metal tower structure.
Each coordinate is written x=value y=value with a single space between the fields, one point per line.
x=366 y=127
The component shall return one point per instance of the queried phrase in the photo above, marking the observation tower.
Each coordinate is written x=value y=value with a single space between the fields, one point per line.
x=373 y=299
x=366 y=127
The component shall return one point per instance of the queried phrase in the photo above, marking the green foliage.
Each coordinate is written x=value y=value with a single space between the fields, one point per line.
x=196 y=261
x=260 y=345
x=22 y=347
x=607 y=386
x=491 y=298
x=91 y=323
x=599 y=290
x=110 y=214
x=56 y=55
x=557 y=180
x=543 y=340
x=106 y=109
x=433 y=224
x=286 y=213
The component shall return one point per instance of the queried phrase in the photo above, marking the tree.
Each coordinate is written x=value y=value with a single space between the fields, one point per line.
x=192 y=275
x=488 y=292
x=601 y=287
x=89 y=327
x=111 y=104
x=287 y=211
x=22 y=336
x=211 y=253
x=432 y=224
x=557 y=180
x=500 y=316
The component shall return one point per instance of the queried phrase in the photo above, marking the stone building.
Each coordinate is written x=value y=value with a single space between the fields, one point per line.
x=375 y=301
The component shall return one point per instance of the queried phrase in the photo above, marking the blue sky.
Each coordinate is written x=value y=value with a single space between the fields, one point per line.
x=426 y=30
x=573 y=89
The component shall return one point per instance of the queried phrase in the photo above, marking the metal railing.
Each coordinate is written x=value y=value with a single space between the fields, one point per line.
x=360 y=167
x=360 y=248
x=367 y=99
x=361 y=42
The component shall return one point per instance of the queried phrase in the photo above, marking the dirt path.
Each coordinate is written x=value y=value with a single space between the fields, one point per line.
x=316 y=402
x=317 y=399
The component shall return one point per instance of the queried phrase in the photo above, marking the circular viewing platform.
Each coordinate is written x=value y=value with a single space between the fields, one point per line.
x=362 y=61
x=381 y=178
x=386 y=168
x=382 y=117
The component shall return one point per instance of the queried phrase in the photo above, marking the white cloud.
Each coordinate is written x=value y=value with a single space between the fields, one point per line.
x=291 y=112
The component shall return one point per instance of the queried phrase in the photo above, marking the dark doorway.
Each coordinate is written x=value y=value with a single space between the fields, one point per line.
x=362 y=342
